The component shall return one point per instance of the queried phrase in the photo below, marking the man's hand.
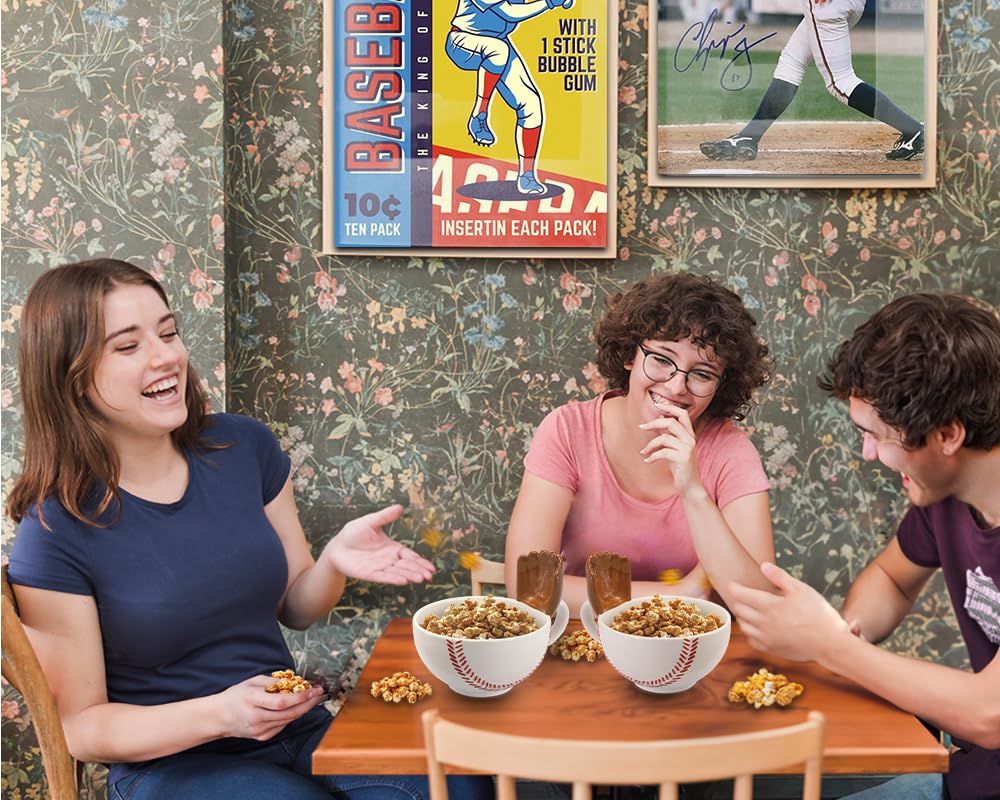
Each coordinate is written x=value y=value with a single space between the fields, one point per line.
x=362 y=550
x=795 y=623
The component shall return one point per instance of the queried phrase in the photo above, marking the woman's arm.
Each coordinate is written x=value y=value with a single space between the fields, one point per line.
x=360 y=549
x=732 y=542
x=65 y=632
x=537 y=523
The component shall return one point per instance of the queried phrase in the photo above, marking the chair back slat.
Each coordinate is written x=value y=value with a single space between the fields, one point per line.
x=22 y=670
x=665 y=762
x=486 y=572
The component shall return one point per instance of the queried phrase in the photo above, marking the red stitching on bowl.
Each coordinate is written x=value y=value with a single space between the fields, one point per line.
x=689 y=648
x=456 y=654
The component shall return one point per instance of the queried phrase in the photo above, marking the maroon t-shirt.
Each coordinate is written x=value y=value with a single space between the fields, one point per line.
x=946 y=535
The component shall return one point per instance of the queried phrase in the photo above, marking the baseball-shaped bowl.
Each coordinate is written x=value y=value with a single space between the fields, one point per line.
x=484 y=667
x=660 y=665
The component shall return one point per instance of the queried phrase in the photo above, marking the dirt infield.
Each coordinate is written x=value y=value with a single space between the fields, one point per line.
x=789 y=148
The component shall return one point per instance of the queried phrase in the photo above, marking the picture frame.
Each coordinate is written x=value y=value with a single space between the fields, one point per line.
x=707 y=81
x=436 y=115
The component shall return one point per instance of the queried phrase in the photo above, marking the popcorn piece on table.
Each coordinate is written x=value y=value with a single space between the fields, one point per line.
x=764 y=688
x=401 y=686
x=287 y=682
x=577 y=646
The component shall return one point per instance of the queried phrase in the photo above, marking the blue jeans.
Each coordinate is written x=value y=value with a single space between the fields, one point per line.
x=917 y=786
x=276 y=770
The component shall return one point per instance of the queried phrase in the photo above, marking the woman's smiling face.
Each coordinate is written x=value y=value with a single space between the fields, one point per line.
x=694 y=365
x=140 y=380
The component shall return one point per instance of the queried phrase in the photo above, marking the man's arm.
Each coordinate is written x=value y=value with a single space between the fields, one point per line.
x=965 y=704
x=884 y=592
x=797 y=623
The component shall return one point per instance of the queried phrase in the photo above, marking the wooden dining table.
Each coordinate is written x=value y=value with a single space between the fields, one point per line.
x=582 y=700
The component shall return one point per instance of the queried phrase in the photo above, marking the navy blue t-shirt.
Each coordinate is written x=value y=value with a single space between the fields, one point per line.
x=187 y=592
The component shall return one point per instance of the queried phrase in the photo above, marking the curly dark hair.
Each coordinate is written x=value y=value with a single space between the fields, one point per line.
x=923 y=361
x=679 y=306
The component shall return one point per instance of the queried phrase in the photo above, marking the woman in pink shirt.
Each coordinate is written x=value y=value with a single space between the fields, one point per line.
x=654 y=469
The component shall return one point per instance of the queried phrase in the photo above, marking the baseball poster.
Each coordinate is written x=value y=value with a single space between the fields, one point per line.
x=469 y=126
x=792 y=93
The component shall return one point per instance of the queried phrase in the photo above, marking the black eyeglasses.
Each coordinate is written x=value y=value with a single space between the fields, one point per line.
x=658 y=367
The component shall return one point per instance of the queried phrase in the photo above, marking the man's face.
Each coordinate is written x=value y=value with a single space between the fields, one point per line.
x=928 y=475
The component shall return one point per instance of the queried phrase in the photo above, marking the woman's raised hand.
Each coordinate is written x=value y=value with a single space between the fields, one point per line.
x=674 y=442
x=248 y=711
x=362 y=550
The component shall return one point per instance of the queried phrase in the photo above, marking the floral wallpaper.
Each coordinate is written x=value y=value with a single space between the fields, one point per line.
x=112 y=145
x=421 y=380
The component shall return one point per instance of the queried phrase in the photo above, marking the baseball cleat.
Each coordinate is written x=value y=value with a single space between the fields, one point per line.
x=906 y=147
x=526 y=184
x=479 y=130
x=735 y=148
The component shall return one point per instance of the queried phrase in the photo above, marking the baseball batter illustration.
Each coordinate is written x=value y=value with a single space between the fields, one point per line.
x=824 y=38
x=479 y=41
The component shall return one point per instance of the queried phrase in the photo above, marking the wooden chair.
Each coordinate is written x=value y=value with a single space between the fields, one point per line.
x=22 y=670
x=486 y=572
x=584 y=763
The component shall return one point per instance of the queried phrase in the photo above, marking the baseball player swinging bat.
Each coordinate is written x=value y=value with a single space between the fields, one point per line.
x=823 y=37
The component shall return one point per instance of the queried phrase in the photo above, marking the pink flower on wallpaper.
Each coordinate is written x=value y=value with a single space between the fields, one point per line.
x=352 y=383
x=196 y=277
x=383 y=396
x=939 y=237
x=529 y=277
x=79 y=228
x=956 y=234
x=326 y=300
x=903 y=243
x=716 y=233
x=328 y=406
x=598 y=383
x=624 y=254
x=811 y=304
x=293 y=255
x=865 y=254
x=626 y=95
x=323 y=280
x=781 y=258
x=699 y=236
x=571 y=302
x=202 y=300
x=771 y=278
x=200 y=93
x=812 y=284
x=10 y=709
x=568 y=282
x=167 y=253
x=377 y=366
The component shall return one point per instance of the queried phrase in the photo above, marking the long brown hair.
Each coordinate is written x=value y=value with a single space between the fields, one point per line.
x=67 y=450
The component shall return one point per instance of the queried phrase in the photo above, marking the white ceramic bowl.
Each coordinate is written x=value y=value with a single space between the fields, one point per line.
x=485 y=667
x=660 y=665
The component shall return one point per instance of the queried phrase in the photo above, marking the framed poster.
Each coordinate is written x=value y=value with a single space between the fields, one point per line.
x=470 y=127
x=792 y=93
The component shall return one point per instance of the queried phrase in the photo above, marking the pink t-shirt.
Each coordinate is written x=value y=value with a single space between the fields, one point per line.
x=567 y=450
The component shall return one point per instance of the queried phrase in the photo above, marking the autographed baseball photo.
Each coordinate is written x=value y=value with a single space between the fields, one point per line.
x=469 y=126
x=792 y=93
